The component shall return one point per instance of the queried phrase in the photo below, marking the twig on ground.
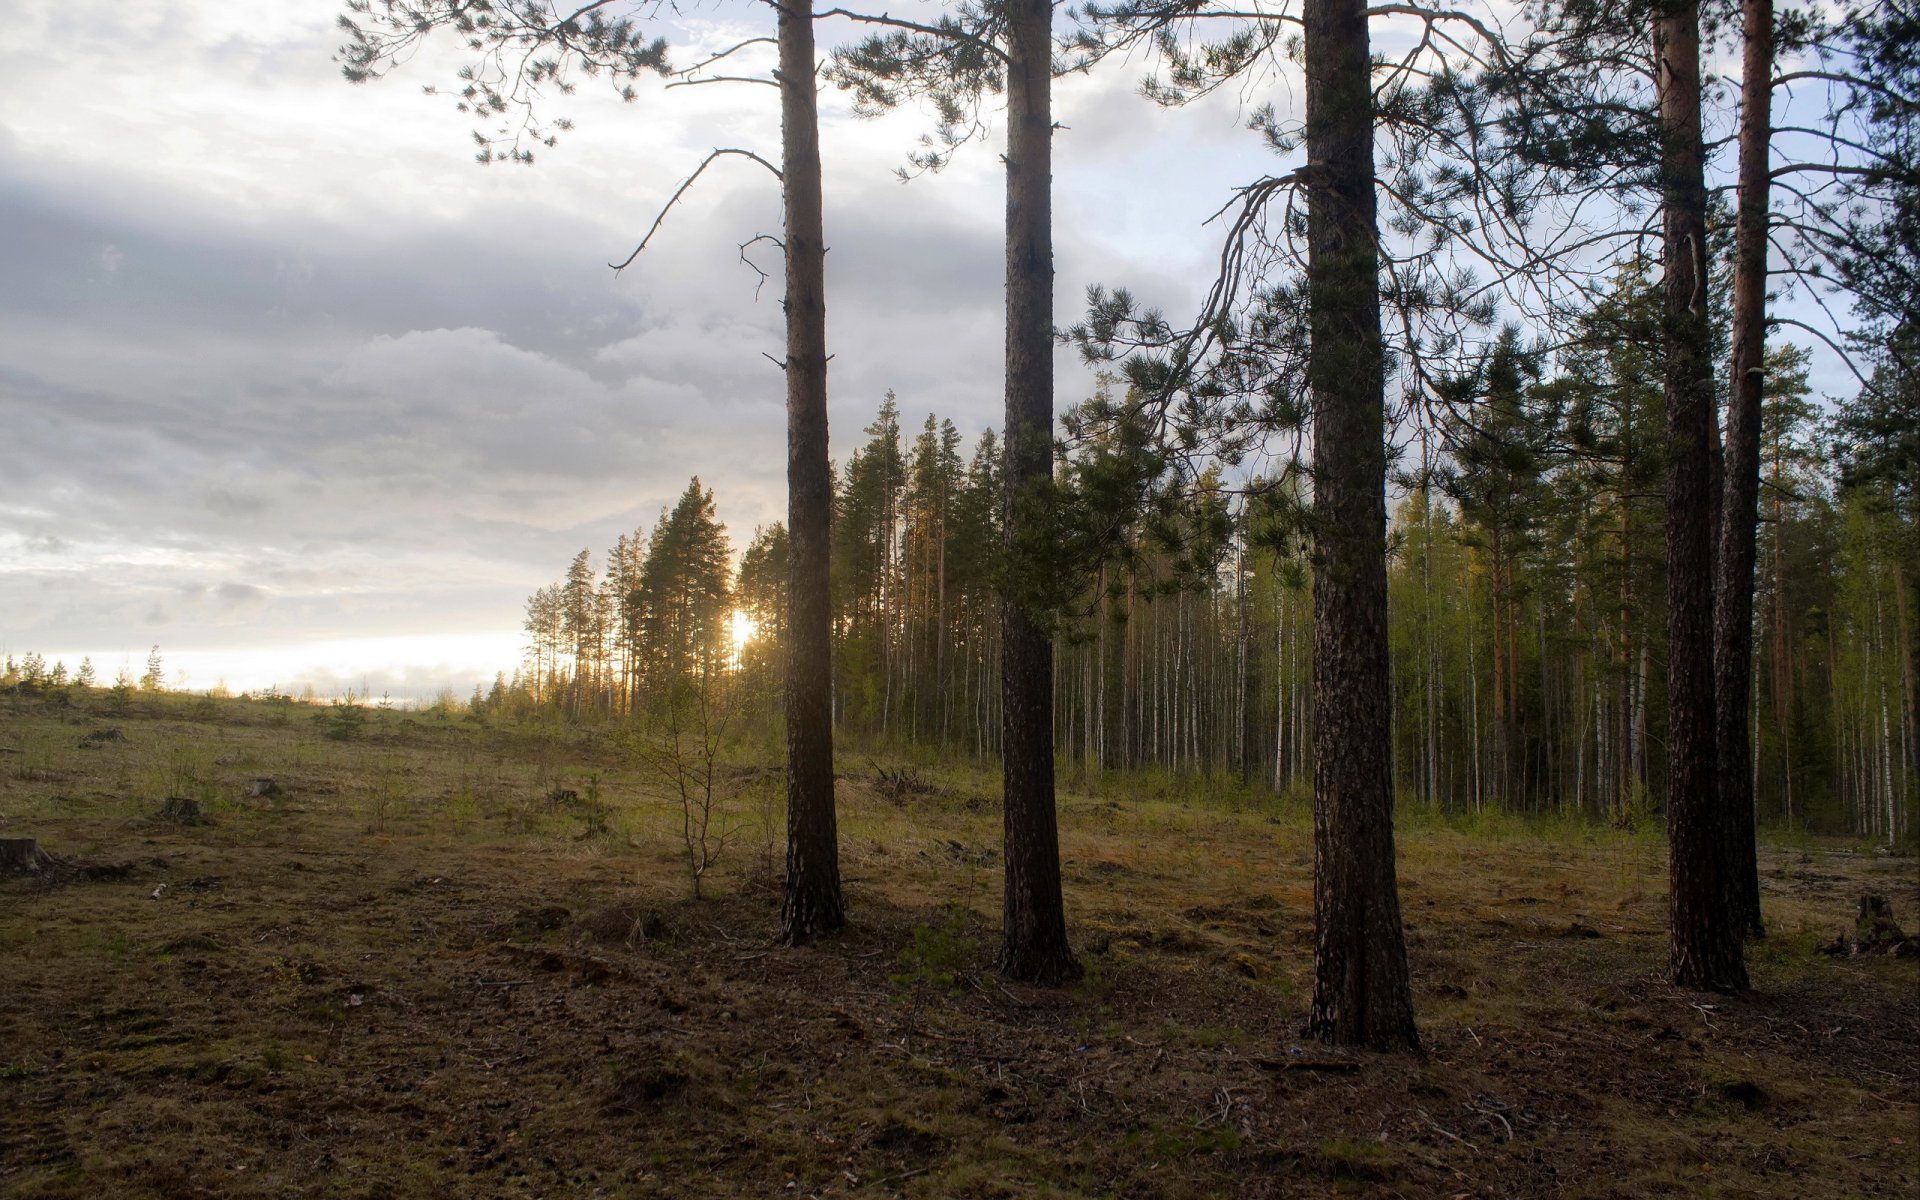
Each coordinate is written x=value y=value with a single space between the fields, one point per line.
x=1496 y=1116
x=1307 y=1064
x=1435 y=1126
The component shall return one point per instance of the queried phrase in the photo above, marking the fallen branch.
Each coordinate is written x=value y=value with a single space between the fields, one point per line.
x=1307 y=1064
x=1435 y=1126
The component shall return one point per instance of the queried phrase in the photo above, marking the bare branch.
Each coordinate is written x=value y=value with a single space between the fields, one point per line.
x=1776 y=319
x=1829 y=169
x=772 y=83
x=733 y=49
x=754 y=266
x=680 y=191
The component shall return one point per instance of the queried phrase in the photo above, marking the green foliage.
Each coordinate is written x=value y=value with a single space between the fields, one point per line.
x=1526 y=605
x=680 y=607
x=518 y=52
x=155 y=677
x=593 y=807
x=186 y=771
x=343 y=720
x=937 y=954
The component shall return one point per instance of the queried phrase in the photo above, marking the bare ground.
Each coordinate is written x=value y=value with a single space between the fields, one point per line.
x=410 y=973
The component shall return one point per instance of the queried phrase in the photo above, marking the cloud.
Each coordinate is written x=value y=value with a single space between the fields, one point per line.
x=240 y=595
x=279 y=340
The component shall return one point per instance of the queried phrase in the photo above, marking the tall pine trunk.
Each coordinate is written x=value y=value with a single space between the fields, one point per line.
x=1706 y=951
x=1740 y=481
x=813 y=903
x=1034 y=946
x=1360 y=993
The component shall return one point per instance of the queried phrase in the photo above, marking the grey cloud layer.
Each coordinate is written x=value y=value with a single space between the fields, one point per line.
x=272 y=397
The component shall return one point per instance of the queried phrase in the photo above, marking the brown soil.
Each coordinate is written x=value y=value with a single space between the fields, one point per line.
x=412 y=975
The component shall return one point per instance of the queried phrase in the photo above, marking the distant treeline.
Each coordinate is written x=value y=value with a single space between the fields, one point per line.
x=1527 y=608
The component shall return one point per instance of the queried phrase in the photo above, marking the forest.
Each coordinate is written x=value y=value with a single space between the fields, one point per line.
x=1437 y=716
x=1524 y=577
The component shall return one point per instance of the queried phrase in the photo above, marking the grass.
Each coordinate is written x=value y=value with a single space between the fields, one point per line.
x=416 y=972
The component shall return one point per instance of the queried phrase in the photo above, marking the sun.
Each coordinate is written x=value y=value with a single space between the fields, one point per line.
x=743 y=629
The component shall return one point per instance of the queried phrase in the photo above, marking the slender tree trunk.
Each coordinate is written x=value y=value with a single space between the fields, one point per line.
x=1640 y=718
x=813 y=903
x=1903 y=633
x=1283 y=677
x=1706 y=951
x=1034 y=946
x=1431 y=716
x=1360 y=994
x=1247 y=690
x=1473 y=695
x=1782 y=663
x=1740 y=479
x=1501 y=785
x=1626 y=661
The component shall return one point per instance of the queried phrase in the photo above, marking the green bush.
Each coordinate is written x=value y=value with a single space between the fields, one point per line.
x=937 y=953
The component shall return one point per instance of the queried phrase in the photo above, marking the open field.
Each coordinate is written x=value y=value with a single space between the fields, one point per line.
x=417 y=971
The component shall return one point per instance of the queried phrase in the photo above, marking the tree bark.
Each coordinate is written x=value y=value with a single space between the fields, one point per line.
x=813 y=903
x=1360 y=994
x=1034 y=946
x=1740 y=479
x=1705 y=946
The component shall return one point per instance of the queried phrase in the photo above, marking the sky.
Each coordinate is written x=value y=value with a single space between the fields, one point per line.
x=294 y=389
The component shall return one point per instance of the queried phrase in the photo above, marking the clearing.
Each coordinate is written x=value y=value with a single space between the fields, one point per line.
x=443 y=959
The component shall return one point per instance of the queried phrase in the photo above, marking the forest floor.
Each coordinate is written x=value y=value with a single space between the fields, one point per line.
x=421 y=969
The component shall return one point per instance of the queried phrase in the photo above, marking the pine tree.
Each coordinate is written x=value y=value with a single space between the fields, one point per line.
x=934 y=479
x=866 y=542
x=1496 y=434
x=761 y=593
x=1706 y=925
x=685 y=594
x=580 y=629
x=813 y=903
x=1361 y=993
x=974 y=568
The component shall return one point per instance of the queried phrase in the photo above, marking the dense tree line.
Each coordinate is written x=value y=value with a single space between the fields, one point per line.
x=1525 y=614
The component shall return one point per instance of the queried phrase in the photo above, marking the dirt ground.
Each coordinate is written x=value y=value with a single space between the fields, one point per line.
x=438 y=959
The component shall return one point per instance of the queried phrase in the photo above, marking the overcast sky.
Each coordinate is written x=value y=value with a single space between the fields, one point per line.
x=295 y=389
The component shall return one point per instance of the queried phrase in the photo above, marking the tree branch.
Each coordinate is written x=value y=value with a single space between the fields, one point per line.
x=933 y=31
x=682 y=190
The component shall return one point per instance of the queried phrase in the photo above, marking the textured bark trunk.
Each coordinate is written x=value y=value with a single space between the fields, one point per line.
x=1625 y=799
x=1360 y=993
x=1782 y=663
x=1247 y=686
x=813 y=903
x=1740 y=479
x=1034 y=940
x=1910 y=734
x=1706 y=951
x=1500 y=784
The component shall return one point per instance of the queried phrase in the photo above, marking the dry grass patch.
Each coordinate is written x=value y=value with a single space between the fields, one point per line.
x=418 y=969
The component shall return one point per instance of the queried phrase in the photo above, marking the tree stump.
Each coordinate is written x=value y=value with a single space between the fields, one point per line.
x=23 y=856
x=182 y=810
x=1874 y=930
